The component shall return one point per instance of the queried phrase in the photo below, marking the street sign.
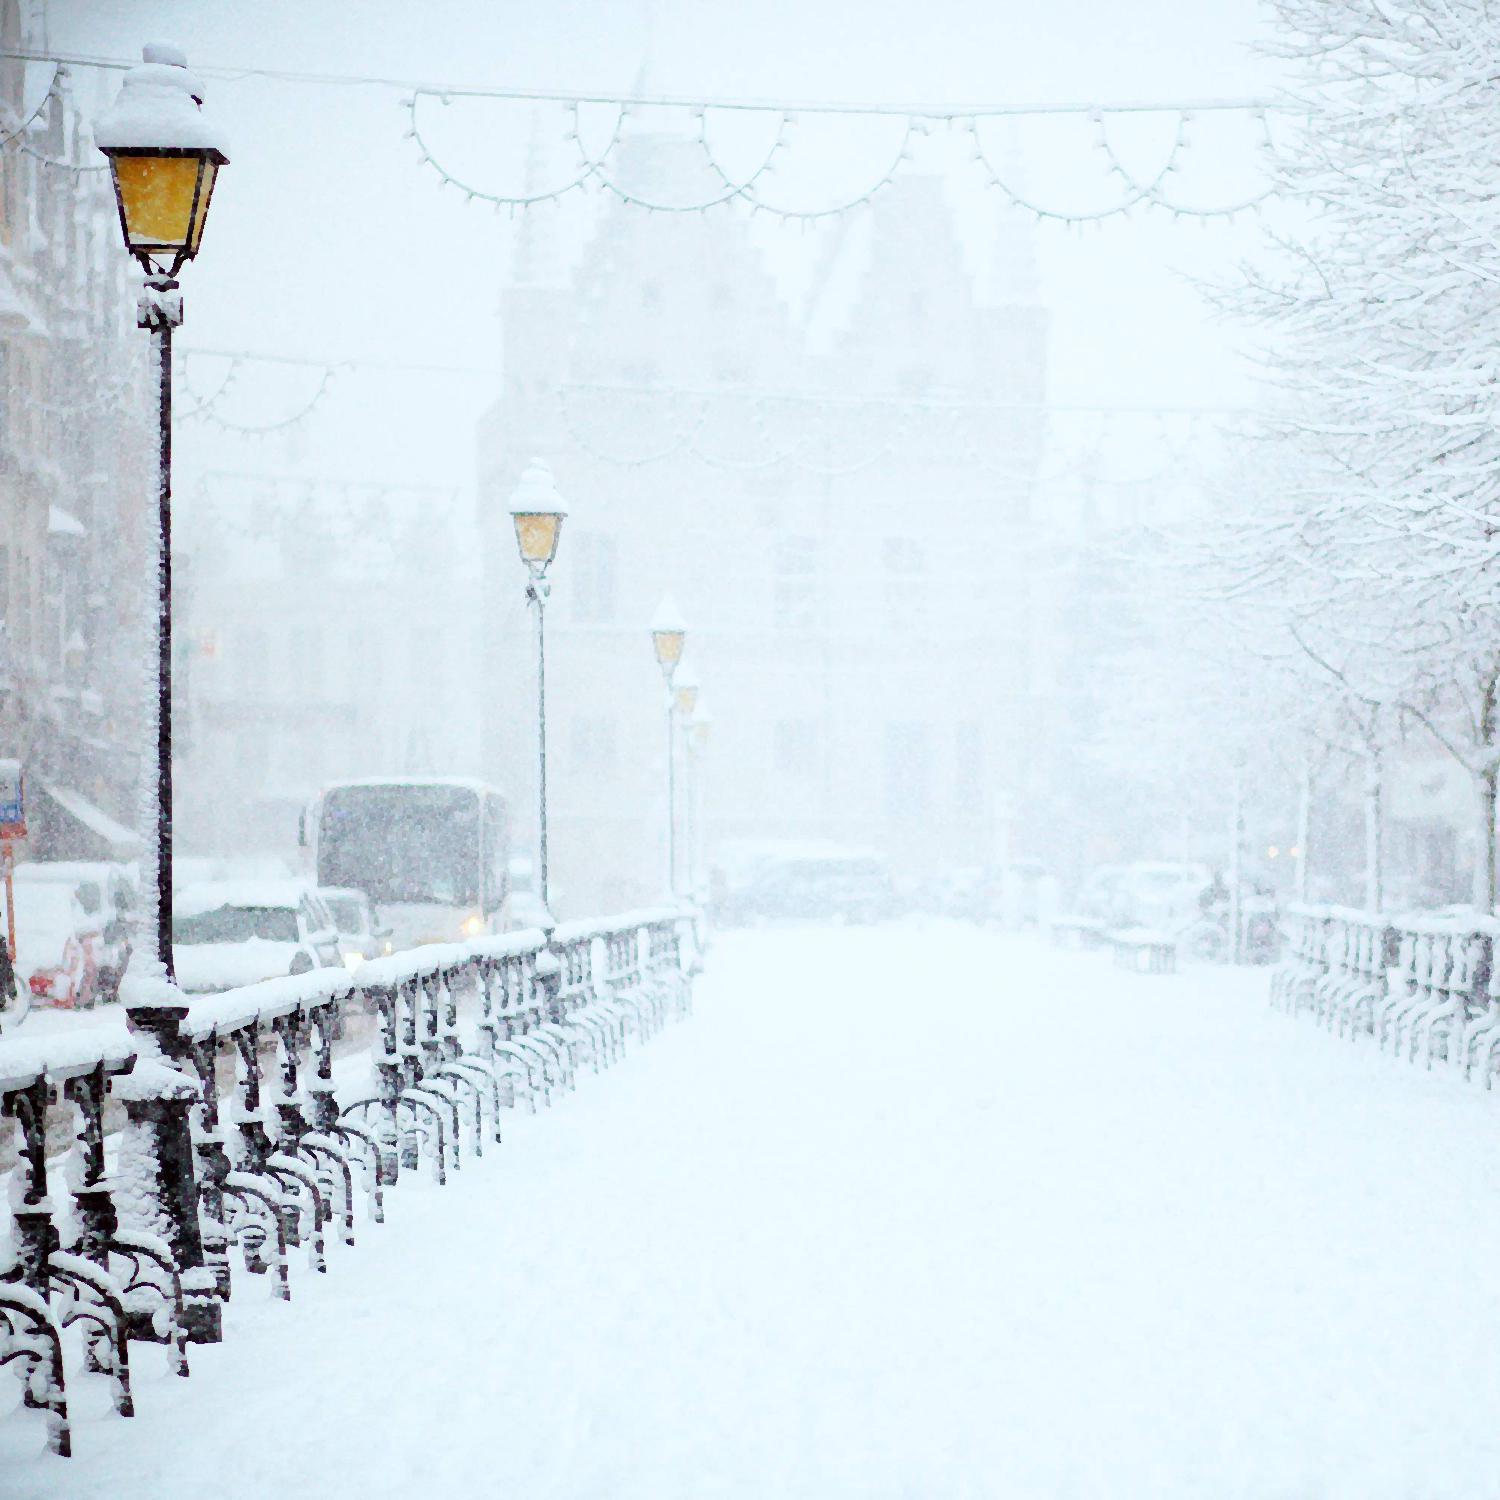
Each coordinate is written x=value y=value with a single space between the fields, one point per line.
x=12 y=800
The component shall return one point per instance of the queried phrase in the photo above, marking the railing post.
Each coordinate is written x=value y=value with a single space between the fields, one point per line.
x=388 y=1082
x=213 y=1164
x=408 y=1003
x=159 y=1181
x=32 y=1212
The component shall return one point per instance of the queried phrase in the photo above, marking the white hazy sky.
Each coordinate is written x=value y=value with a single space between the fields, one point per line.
x=328 y=238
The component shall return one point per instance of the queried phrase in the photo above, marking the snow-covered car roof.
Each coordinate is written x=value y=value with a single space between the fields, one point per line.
x=343 y=892
x=210 y=895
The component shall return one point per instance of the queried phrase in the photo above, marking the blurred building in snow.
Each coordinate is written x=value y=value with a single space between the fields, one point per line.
x=77 y=505
x=837 y=499
x=332 y=633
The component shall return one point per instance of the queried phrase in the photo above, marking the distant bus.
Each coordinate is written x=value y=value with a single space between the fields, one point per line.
x=432 y=853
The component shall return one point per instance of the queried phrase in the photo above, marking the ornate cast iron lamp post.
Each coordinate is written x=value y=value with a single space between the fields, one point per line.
x=668 y=636
x=538 y=511
x=164 y=156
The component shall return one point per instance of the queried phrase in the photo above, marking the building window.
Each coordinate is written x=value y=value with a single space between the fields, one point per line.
x=427 y=665
x=795 y=748
x=252 y=760
x=908 y=769
x=905 y=583
x=799 y=590
x=968 y=766
x=305 y=661
x=591 y=577
x=594 y=745
x=252 y=665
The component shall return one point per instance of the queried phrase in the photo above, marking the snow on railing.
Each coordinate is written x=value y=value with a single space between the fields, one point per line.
x=1423 y=985
x=235 y=1135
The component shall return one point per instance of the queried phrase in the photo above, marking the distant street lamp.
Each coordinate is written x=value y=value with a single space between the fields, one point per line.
x=698 y=729
x=684 y=701
x=668 y=636
x=538 y=511
x=164 y=156
x=685 y=690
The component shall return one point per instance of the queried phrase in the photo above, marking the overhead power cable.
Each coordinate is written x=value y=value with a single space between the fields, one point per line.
x=1246 y=104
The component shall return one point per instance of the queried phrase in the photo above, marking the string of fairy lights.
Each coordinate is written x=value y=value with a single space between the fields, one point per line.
x=775 y=429
x=592 y=169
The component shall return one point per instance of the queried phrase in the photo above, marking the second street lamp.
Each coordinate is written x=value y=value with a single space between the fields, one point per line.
x=538 y=512
x=164 y=156
x=668 y=636
x=696 y=736
x=684 y=701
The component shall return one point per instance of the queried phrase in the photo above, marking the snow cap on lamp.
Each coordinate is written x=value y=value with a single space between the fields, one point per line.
x=160 y=108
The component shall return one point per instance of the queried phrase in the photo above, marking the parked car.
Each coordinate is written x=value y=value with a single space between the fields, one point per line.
x=851 y=886
x=1161 y=894
x=107 y=895
x=361 y=933
x=1099 y=895
x=229 y=933
x=58 y=944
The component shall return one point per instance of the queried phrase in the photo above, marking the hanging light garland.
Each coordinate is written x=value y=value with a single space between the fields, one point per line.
x=594 y=172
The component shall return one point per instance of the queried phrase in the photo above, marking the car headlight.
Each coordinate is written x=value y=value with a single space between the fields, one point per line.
x=473 y=925
x=353 y=960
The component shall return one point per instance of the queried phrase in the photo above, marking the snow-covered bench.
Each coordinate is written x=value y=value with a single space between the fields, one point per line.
x=1144 y=950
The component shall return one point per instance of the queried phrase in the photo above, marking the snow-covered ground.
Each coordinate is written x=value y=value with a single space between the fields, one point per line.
x=914 y=1212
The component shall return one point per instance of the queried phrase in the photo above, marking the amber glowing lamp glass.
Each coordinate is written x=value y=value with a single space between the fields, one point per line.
x=537 y=536
x=163 y=197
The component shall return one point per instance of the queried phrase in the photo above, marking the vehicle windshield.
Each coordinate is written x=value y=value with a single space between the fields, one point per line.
x=348 y=914
x=402 y=843
x=237 y=924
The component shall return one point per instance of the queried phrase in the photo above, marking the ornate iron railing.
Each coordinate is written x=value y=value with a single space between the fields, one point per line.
x=1424 y=988
x=235 y=1137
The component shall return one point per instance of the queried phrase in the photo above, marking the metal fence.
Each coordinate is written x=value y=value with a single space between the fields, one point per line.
x=234 y=1137
x=1425 y=989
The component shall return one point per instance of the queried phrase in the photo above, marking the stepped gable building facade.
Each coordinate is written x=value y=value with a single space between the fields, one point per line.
x=842 y=520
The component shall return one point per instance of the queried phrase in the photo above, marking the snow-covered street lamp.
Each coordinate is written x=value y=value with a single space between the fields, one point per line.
x=668 y=634
x=698 y=726
x=685 y=689
x=684 y=701
x=668 y=637
x=164 y=156
x=538 y=512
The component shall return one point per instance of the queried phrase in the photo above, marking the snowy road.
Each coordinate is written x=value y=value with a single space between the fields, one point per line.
x=915 y=1212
